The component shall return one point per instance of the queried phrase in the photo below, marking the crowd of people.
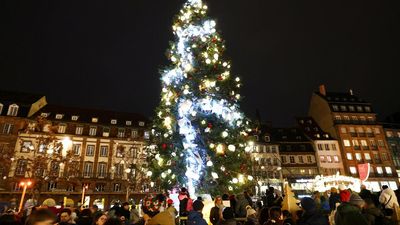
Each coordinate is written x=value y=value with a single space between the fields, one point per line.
x=334 y=207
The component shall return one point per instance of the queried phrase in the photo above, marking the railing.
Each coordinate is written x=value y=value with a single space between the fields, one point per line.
x=374 y=147
x=353 y=134
x=356 y=147
x=370 y=135
x=365 y=147
x=362 y=134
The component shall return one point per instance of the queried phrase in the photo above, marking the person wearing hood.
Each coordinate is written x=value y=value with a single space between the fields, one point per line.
x=349 y=213
x=388 y=199
x=372 y=214
x=311 y=215
x=196 y=216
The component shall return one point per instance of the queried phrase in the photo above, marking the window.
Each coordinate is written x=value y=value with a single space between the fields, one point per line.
x=367 y=109
x=95 y=120
x=117 y=187
x=388 y=170
x=349 y=156
x=88 y=169
x=119 y=170
x=343 y=108
x=364 y=143
x=398 y=134
x=21 y=167
x=121 y=132
x=8 y=128
x=347 y=118
x=363 y=119
x=372 y=143
x=79 y=130
x=103 y=151
x=354 y=118
x=353 y=170
x=322 y=159
x=44 y=115
x=106 y=131
x=267 y=139
x=336 y=158
x=377 y=130
x=90 y=150
x=327 y=147
x=283 y=159
x=351 y=108
x=319 y=146
x=92 y=131
x=76 y=148
x=59 y=116
x=371 y=119
x=120 y=151
x=352 y=130
x=100 y=187
x=74 y=118
x=1 y=108
x=51 y=186
x=62 y=128
x=26 y=146
x=369 y=130
x=367 y=156
x=54 y=168
x=346 y=143
x=358 y=157
x=384 y=156
x=355 y=143
x=134 y=133
x=376 y=157
x=381 y=143
x=113 y=121
x=291 y=158
x=12 y=110
x=141 y=123
x=360 y=130
x=343 y=130
x=309 y=159
x=329 y=159
x=389 y=134
x=146 y=135
x=334 y=147
x=338 y=118
x=128 y=123
x=335 y=108
x=379 y=170
x=300 y=159
x=359 y=109
x=102 y=170
x=42 y=148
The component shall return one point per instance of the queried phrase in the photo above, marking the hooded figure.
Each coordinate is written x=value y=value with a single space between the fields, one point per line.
x=311 y=216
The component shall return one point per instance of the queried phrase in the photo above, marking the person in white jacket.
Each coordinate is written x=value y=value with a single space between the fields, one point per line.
x=388 y=198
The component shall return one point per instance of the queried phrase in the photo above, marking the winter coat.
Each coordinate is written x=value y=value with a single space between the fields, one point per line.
x=241 y=204
x=162 y=218
x=333 y=199
x=84 y=221
x=215 y=215
x=228 y=222
x=371 y=214
x=273 y=222
x=364 y=194
x=347 y=214
x=388 y=199
x=313 y=218
x=196 y=218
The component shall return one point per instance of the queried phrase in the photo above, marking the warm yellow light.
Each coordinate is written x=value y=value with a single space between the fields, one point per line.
x=220 y=149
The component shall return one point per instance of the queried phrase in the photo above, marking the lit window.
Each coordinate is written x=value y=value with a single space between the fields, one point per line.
x=379 y=170
x=322 y=158
x=352 y=130
x=141 y=123
x=26 y=146
x=95 y=120
x=364 y=143
x=329 y=159
x=319 y=146
x=12 y=110
x=362 y=118
x=1 y=108
x=59 y=116
x=106 y=131
x=76 y=148
x=103 y=151
x=338 y=118
x=74 y=118
x=360 y=130
x=309 y=159
x=79 y=130
x=90 y=150
x=398 y=134
x=336 y=158
x=128 y=123
x=335 y=108
x=389 y=134
x=349 y=156
x=102 y=170
x=343 y=130
x=388 y=170
x=92 y=131
x=351 y=108
x=44 y=115
x=354 y=118
x=291 y=158
x=369 y=130
x=347 y=118
x=343 y=108
x=134 y=133
x=62 y=128
x=367 y=109
x=113 y=121
x=367 y=156
x=355 y=143
x=88 y=169
x=377 y=130
x=353 y=170
x=346 y=143
x=358 y=156
x=146 y=135
x=117 y=187
x=121 y=132
x=8 y=128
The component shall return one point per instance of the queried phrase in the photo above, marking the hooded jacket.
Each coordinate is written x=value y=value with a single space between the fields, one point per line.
x=347 y=214
x=371 y=214
x=196 y=218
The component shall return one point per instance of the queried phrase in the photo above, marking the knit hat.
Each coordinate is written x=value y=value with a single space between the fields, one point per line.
x=198 y=205
x=355 y=199
x=344 y=195
x=250 y=211
x=308 y=204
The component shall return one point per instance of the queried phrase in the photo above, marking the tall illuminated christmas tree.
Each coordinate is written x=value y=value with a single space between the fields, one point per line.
x=201 y=135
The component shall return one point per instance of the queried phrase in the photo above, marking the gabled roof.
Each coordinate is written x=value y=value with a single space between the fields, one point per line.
x=85 y=115
x=24 y=101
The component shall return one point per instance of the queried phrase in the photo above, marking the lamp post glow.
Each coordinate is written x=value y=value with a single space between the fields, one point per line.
x=83 y=194
x=25 y=185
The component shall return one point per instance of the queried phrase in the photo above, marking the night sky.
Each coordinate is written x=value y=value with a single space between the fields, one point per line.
x=106 y=54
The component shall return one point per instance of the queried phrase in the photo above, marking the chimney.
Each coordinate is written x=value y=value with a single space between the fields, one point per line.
x=351 y=91
x=322 y=89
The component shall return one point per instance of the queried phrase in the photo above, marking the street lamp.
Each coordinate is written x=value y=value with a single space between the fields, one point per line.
x=25 y=185
x=85 y=187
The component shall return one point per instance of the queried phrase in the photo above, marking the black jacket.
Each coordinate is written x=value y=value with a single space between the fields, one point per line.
x=313 y=218
x=214 y=215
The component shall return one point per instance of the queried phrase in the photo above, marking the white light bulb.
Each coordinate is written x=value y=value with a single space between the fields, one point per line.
x=208 y=61
x=216 y=56
x=235 y=180
x=149 y=173
x=214 y=175
x=224 y=134
x=237 y=79
x=163 y=175
x=212 y=145
x=209 y=163
x=222 y=168
x=250 y=178
x=231 y=148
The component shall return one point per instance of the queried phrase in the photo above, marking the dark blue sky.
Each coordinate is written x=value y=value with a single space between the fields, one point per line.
x=106 y=54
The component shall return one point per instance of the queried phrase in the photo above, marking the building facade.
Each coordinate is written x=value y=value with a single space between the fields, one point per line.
x=392 y=133
x=327 y=149
x=352 y=121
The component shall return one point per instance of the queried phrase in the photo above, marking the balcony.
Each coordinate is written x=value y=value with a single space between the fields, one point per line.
x=365 y=147
x=374 y=147
x=357 y=147
x=362 y=134
x=370 y=135
x=353 y=134
x=377 y=161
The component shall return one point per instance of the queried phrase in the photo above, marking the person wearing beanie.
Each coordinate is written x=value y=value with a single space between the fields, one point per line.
x=228 y=215
x=344 y=193
x=311 y=215
x=196 y=216
x=349 y=213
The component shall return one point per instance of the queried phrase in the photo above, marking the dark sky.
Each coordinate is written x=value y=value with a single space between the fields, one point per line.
x=106 y=54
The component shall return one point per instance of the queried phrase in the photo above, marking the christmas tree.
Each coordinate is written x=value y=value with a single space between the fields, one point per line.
x=201 y=135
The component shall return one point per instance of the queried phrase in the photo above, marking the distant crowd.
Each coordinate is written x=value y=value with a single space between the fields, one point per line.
x=335 y=207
